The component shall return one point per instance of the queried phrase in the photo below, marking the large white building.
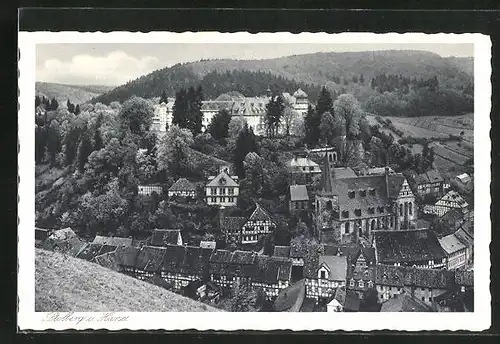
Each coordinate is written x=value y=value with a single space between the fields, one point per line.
x=252 y=109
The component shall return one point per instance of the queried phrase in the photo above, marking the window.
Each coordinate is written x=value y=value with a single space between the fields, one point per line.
x=351 y=194
x=381 y=210
x=303 y=168
x=423 y=298
x=262 y=228
x=214 y=191
x=361 y=284
x=372 y=192
x=371 y=210
x=230 y=191
x=357 y=212
x=362 y=193
x=410 y=206
x=323 y=274
x=351 y=283
x=400 y=210
x=329 y=205
x=347 y=225
x=311 y=168
x=214 y=200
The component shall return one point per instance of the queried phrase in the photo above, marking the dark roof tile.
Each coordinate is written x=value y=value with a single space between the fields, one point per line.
x=407 y=246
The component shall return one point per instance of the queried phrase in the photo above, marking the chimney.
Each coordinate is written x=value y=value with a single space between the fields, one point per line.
x=387 y=180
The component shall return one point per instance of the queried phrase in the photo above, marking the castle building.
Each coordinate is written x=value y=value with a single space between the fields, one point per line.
x=350 y=208
x=251 y=109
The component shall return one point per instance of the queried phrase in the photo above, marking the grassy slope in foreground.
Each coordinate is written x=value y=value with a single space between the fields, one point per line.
x=70 y=284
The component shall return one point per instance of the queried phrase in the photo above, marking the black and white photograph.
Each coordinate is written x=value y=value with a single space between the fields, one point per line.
x=294 y=176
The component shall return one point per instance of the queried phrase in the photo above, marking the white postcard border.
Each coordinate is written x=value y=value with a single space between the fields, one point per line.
x=478 y=320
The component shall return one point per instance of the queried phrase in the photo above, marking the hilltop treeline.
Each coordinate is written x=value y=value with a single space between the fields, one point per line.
x=214 y=83
x=397 y=95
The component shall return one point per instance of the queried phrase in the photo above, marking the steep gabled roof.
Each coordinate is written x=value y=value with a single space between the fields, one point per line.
x=260 y=214
x=182 y=184
x=431 y=176
x=407 y=246
x=150 y=258
x=453 y=196
x=300 y=94
x=127 y=256
x=112 y=241
x=404 y=303
x=222 y=179
x=336 y=265
x=173 y=259
x=162 y=237
x=271 y=269
x=451 y=244
x=401 y=276
x=232 y=223
x=302 y=162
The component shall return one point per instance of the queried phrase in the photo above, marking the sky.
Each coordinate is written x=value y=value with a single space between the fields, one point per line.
x=115 y=64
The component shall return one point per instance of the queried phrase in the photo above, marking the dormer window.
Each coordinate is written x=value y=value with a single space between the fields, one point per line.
x=345 y=213
x=370 y=284
x=361 y=284
x=362 y=193
x=357 y=212
x=381 y=210
x=351 y=194
x=351 y=283
x=372 y=192
x=371 y=210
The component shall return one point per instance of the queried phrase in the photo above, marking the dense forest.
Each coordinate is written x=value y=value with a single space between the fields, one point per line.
x=397 y=95
x=170 y=80
x=395 y=83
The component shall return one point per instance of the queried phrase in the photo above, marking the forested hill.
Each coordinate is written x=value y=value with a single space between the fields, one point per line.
x=77 y=94
x=214 y=83
x=342 y=72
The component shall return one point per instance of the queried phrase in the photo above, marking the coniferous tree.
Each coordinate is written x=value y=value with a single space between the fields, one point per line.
x=325 y=102
x=53 y=141
x=84 y=150
x=274 y=112
x=97 y=134
x=70 y=106
x=71 y=145
x=196 y=115
x=180 y=110
x=219 y=127
x=77 y=109
x=54 y=104
x=164 y=97
x=245 y=143
x=311 y=125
